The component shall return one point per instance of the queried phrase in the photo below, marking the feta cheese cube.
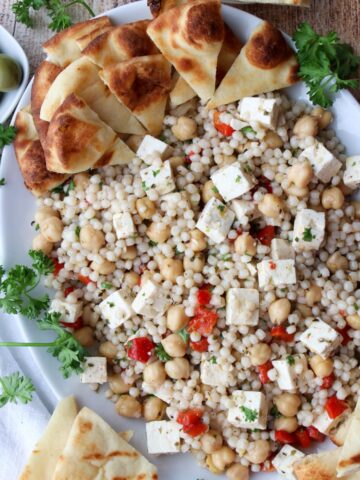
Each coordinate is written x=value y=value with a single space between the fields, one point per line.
x=163 y=437
x=116 y=309
x=152 y=300
x=352 y=172
x=69 y=312
x=264 y=111
x=152 y=146
x=285 y=460
x=288 y=370
x=249 y=410
x=324 y=423
x=281 y=249
x=123 y=225
x=281 y=272
x=232 y=182
x=245 y=210
x=158 y=178
x=215 y=220
x=320 y=338
x=95 y=370
x=324 y=164
x=242 y=306
x=309 y=230
x=212 y=373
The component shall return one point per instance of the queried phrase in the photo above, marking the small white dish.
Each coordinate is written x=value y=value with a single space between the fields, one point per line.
x=11 y=47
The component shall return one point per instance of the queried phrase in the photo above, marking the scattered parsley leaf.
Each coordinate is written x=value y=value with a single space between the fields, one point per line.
x=221 y=208
x=65 y=188
x=7 y=135
x=213 y=360
x=214 y=189
x=290 y=360
x=184 y=334
x=16 y=388
x=2 y=182
x=106 y=285
x=161 y=354
x=226 y=257
x=356 y=307
x=155 y=172
x=247 y=130
x=77 y=231
x=274 y=412
x=250 y=414
x=144 y=186
x=308 y=235
x=152 y=243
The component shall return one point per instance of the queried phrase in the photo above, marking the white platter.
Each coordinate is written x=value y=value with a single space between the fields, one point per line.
x=17 y=207
x=11 y=47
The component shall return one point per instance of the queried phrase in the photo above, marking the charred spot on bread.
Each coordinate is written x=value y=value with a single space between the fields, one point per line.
x=204 y=24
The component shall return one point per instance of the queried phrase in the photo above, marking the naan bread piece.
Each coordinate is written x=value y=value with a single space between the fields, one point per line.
x=321 y=466
x=86 y=39
x=142 y=85
x=117 y=154
x=190 y=37
x=121 y=43
x=31 y=158
x=229 y=51
x=95 y=451
x=62 y=48
x=77 y=138
x=82 y=78
x=44 y=77
x=159 y=6
x=265 y=63
x=297 y=3
x=43 y=459
x=338 y=434
x=349 y=460
x=181 y=93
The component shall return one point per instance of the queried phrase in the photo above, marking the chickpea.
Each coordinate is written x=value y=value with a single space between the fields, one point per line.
x=295 y=191
x=354 y=321
x=108 y=350
x=134 y=142
x=185 y=129
x=211 y=441
x=117 y=384
x=323 y=117
x=178 y=368
x=81 y=180
x=273 y=140
x=227 y=160
x=174 y=345
x=313 y=295
x=89 y=316
x=321 y=367
x=176 y=318
x=279 y=311
x=91 y=239
x=145 y=208
x=238 y=472
x=305 y=311
x=209 y=191
x=195 y=263
x=300 y=174
x=271 y=205
x=222 y=458
x=85 y=336
x=245 y=244
x=40 y=243
x=171 y=269
x=288 y=404
x=258 y=451
x=154 y=374
x=45 y=212
x=260 y=354
x=289 y=424
x=336 y=261
x=153 y=409
x=104 y=268
x=128 y=406
x=198 y=241
x=129 y=253
x=176 y=161
x=51 y=229
x=211 y=466
x=158 y=232
x=332 y=198
x=306 y=126
x=131 y=279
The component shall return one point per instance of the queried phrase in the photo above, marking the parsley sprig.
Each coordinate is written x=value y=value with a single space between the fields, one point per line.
x=16 y=388
x=250 y=414
x=326 y=64
x=7 y=135
x=161 y=354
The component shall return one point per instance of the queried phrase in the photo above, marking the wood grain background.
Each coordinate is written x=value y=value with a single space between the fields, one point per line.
x=324 y=15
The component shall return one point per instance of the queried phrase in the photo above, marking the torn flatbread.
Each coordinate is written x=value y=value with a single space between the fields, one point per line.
x=181 y=93
x=295 y=3
x=159 y=6
x=338 y=434
x=266 y=63
x=321 y=466
x=190 y=38
x=230 y=49
x=349 y=461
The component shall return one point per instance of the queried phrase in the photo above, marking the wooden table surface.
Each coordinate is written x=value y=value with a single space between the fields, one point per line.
x=324 y=15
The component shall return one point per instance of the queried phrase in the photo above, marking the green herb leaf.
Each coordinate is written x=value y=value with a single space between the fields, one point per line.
x=16 y=388
x=226 y=257
x=213 y=360
x=221 y=208
x=308 y=235
x=152 y=243
x=184 y=334
x=214 y=189
x=2 y=182
x=7 y=135
x=247 y=130
x=155 y=172
x=274 y=412
x=65 y=188
x=77 y=231
x=106 y=285
x=249 y=413
x=290 y=360
x=161 y=354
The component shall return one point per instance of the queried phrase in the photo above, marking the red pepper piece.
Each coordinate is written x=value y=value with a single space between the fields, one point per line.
x=189 y=416
x=314 y=434
x=345 y=335
x=200 y=346
x=263 y=372
x=140 y=349
x=265 y=235
x=221 y=127
x=303 y=437
x=84 y=279
x=196 y=429
x=68 y=290
x=285 y=437
x=57 y=266
x=79 y=323
x=204 y=321
x=203 y=297
x=335 y=407
x=281 y=333
x=328 y=382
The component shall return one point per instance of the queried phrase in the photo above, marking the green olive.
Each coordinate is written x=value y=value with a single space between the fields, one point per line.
x=10 y=73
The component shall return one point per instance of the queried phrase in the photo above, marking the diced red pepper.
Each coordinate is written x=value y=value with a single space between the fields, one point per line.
x=189 y=416
x=57 y=266
x=187 y=160
x=285 y=437
x=263 y=372
x=68 y=290
x=140 y=349
x=203 y=296
x=265 y=235
x=303 y=437
x=335 y=407
x=79 y=323
x=328 y=381
x=342 y=313
x=263 y=182
x=345 y=335
x=204 y=321
x=200 y=346
x=84 y=279
x=281 y=333
x=196 y=429
x=221 y=127
x=272 y=265
x=315 y=434
x=271 y=467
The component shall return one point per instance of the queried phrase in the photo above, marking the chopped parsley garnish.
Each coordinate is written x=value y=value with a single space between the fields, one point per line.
x=2 y=182
x=290 y=360
x=152 y=243
x=214 y=189
x=247 y=130
x=111 y=304
x=77 y=231
x=356 y=307
x=16 y=388
x=184 y=334
x=106 y=285
x=213 y=360
x=226 y=257
x=221 y=208
x=247 y=168
x=161 y=354
x=155 y=172
x=308 y=236
x=250 y=414
x=65 y=188
x=144 y=186
x=274 y=412
x=238 y=179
